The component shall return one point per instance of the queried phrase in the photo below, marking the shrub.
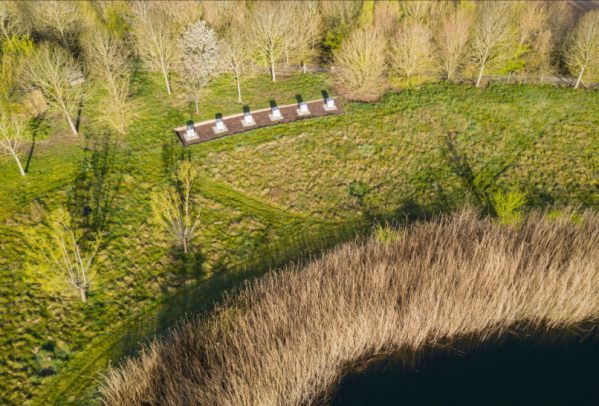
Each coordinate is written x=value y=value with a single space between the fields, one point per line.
x=287 y=338
x=509 y=206
x=360 y=66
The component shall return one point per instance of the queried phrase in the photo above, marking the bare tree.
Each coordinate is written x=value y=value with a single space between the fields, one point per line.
x=360 y=66
x=412 y=57
x=583 y=51
x=108 y=60
x=386 y=17
x=200 y=63
x=452 y=40
x=58 y=20
x=490 y=34
x=13 y=134
x=61 y=257
x=236 y=55
x=304 y=33
x=269 y=25
x=175 y=209
x=54 y=72
x=156 y=39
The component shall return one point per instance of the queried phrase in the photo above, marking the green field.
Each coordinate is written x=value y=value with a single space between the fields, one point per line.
x=417 y=152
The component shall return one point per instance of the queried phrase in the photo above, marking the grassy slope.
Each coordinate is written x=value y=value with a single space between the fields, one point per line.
x=267 y=185
x=539 y=140
x=136 y=267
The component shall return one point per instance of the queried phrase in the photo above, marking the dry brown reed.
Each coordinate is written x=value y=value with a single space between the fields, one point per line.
x=288 y=337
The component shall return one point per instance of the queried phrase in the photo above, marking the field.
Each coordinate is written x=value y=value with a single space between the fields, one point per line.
x=414 y=153
x=289 y=337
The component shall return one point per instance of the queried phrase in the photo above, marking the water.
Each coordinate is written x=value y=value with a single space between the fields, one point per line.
x=512 y=373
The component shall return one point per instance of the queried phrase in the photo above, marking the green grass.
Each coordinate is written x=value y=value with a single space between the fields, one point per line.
x=261 y=189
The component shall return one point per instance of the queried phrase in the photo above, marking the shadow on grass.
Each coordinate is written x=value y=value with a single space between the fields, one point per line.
x=482 y=183
x=91 y=201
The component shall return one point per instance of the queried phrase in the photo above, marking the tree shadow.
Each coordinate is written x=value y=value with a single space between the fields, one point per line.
x=39 y=128
x=172 y=153
x=482 y=183
x=97 y=184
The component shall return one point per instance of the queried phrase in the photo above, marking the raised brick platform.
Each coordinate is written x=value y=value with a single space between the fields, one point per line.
x=234 y=123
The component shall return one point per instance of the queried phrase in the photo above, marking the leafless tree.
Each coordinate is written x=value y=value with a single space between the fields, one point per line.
x=386 y=17
x=307 y=33
x=175 y=209
x=59 y=20
x=269 y=26
x=583 y=50
x=452 y=40
x=108 y=60
x=236 y=56
x=13 y=134
x=491 y=32
x=56 y=74
x=360 y=66
x=61 y=258
x=156 y=39
x=412 y=51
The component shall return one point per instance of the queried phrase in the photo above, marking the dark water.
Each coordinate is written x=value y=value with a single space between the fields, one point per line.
x=512 y=373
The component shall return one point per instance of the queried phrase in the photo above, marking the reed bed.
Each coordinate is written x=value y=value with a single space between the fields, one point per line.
x=288 y=337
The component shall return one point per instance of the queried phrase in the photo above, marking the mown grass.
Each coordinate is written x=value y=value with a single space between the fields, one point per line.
x=260 y=188
x=288 y=337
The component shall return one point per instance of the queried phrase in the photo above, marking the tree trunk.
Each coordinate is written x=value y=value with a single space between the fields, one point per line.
x=197 y=102
x=579 y=80
x=71 y=124
x=185 y=249
x=82 y=295
x=238 y=89
x=480 y=75
x=304 y=67
x=168 y=83
x=14 y=154
x=272 y=70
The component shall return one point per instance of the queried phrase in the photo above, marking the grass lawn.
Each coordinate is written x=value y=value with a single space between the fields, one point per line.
x=423 y=150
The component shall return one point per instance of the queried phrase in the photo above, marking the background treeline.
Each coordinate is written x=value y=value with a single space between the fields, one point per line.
x=53 y=46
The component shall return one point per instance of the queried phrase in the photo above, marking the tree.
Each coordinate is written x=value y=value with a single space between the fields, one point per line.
x=13 y=123
x=529 y=38
x=57 y=20
x=175 y=208
x=156 y=39
x=304 y=33
x=490 y=34
x=54 y=72
x=200 y=63
x=583 y=52
x=360 y=66
x=269 y=25
x=412 y=57
x=61 y=255
x=13 y=133
x=108 y=60
x=236 y=56
x=452 y=40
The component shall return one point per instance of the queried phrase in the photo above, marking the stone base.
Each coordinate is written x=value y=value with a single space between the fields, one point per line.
x=216 y=131
x=327 y=108
x=193 y=136
x=299 y=112
x=273 y=118
x=246 y=124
